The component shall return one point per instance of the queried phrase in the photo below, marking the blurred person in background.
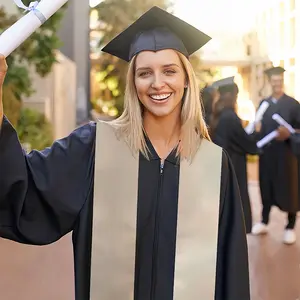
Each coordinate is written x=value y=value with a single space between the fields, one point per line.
x=228 y=132
x=278 y=166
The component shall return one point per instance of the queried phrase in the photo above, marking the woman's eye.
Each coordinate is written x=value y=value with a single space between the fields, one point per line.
x=170 y=72
x=145 y=73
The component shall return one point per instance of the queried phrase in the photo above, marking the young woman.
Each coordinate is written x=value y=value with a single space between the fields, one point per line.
x=229 y=133
x=153 y=205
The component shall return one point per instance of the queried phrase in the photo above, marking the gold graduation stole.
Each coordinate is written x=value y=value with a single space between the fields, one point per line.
x=115 y=219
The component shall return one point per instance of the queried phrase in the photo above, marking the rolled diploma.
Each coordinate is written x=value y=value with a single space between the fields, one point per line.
x=282 y=122
x=250 y=128
x=258 y=117
x=268 y=138
x=15 y=35
x=261 y=111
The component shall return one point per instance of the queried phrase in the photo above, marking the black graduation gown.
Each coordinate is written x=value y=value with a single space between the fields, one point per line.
x=295 y=144
x=278 y=166
x=230 y=135
x=44 y=195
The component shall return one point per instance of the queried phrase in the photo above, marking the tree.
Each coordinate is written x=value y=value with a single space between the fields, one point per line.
x=114 y=16
x=37 y=51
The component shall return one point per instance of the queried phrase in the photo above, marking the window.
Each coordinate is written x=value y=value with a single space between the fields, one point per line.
x=292 y=32
x=291 y=84
x=292 y=61
x=281 y=9
x=282 y=34
x=292 y=5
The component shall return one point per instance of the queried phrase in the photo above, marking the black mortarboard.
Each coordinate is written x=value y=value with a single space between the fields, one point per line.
x=223 y=82
x=226 y=85
x=156 y=30
x=274 y=71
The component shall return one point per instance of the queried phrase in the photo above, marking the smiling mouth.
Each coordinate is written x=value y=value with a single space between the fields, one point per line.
x=161 y=97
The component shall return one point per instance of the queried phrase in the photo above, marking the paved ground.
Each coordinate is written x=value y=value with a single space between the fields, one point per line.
x=46 y=273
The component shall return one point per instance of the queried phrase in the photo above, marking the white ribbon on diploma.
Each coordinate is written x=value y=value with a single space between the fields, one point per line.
x=32 y=7
x=38 y=13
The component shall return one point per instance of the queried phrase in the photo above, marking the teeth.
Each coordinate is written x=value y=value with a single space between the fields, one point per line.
x=160 y=97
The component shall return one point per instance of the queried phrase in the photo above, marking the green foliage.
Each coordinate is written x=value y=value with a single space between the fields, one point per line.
x=37 y=52
x=12 y=106
x=34 y=129
x=115 y=16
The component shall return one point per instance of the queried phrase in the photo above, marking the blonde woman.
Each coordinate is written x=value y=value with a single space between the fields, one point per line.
x=154 y=206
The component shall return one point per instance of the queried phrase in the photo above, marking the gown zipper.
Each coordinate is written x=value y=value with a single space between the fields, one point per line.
x=156 y=231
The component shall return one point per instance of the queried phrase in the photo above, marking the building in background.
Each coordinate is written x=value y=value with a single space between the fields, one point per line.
x=55 y=94
x=75 y=36
x=275 y=40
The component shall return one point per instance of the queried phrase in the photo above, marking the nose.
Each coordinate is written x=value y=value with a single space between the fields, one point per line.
x=157 y=82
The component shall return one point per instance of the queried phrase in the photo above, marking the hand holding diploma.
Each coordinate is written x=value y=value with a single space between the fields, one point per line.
x=282 y=122
x=267 y=139
x=38 y=13
x=281 y=134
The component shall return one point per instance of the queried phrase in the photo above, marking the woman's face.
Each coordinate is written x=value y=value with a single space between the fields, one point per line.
x=160 y=81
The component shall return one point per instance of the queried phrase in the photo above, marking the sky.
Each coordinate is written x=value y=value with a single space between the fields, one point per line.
x=218 y=15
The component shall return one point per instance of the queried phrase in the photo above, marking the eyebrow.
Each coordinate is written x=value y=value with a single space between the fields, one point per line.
x=164 y=66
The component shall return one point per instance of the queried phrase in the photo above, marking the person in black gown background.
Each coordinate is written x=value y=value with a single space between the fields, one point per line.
x=278 y=166
x=46 y=194
x=209 y=97
x=228 y=132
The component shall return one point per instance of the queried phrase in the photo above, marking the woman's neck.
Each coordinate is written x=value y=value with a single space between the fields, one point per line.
x=163 y=132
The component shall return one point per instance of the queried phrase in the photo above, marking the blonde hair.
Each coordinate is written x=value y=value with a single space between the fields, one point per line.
x=129 y=126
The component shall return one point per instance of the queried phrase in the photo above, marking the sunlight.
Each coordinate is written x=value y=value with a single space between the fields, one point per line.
x=217 y=15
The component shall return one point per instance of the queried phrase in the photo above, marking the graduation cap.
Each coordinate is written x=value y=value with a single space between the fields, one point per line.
x=225 y=85
x=274 y=71
x=223 y=82
x=156 y=30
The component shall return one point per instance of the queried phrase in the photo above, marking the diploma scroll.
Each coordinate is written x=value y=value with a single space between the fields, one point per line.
x=267 y=139
x=258 y=117
x=282 y=122
x=39 y=12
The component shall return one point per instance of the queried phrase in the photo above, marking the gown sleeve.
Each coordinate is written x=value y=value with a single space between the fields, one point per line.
x=232 y=281
x=42 y=193
x=246 y=143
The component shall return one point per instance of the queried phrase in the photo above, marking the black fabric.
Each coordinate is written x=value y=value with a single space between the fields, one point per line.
x=291 y=217
x=44 y=195
x=156 y=30
x=278 y=165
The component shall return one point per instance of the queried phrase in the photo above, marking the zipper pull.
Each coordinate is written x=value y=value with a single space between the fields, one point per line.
x=161 y=166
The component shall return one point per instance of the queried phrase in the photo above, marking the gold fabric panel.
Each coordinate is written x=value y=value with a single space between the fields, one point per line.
x=114 y=221
x=197 y=225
